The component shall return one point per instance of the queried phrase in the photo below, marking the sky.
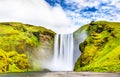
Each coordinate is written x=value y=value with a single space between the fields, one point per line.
x=62 y=16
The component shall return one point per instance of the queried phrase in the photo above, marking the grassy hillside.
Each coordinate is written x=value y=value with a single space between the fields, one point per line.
x=101 y=49
x=17 y=41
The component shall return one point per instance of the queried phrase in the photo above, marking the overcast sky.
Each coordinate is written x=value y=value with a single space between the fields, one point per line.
x=59 y=15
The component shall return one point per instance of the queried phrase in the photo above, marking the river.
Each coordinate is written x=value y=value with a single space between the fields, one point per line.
x=60 y=74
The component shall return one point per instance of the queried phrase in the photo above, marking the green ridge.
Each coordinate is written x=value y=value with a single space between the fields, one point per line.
x=101 y=49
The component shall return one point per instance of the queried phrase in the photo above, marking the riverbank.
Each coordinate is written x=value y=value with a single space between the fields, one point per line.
x=61 y=74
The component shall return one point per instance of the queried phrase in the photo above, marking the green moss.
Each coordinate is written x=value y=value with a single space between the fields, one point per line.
x=17 y=41
x=100 y=52
x=13 y=62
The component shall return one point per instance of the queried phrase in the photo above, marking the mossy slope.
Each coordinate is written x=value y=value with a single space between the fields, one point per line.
x=17 y=41
x=101 y=49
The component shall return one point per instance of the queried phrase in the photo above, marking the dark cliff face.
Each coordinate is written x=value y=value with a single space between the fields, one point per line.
x=101 y=49
x=18 y=43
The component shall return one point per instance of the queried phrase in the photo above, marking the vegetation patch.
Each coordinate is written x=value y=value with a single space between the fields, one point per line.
x=101 y=49
x=17 y=42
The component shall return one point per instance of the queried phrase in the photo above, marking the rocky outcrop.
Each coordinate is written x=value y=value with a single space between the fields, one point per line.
x=18 y=43
x=101 y=49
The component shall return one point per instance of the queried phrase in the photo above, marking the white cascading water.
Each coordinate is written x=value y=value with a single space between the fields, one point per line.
x=63 y=53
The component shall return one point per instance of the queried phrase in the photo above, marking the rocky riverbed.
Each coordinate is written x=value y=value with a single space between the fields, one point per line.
x=61 y=74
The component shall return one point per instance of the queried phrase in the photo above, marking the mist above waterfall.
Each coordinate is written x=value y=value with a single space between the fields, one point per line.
x=36 y=12
x=79 y=37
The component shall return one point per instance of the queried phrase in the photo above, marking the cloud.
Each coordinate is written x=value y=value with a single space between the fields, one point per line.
x=36 y=12
x=84 y=11
x=88 y=10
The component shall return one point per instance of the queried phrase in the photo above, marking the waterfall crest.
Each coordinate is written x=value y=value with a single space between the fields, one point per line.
x=63 y=53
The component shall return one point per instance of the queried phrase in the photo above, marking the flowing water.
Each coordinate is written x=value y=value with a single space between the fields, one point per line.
x=66 y=51
x=63 y=53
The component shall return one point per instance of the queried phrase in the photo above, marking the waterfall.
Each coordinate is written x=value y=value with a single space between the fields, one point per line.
x=63 y=53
